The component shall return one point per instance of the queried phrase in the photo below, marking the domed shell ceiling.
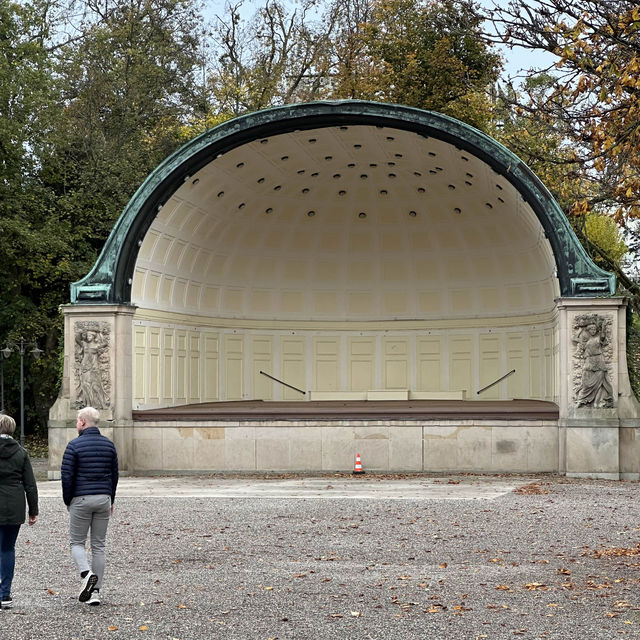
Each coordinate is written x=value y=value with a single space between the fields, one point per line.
x=353 y=222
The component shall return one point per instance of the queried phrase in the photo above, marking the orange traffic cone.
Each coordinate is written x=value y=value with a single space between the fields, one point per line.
x=358 y=468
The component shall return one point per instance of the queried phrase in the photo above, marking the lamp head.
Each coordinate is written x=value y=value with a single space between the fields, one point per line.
x=36 y=353
x=6 y=352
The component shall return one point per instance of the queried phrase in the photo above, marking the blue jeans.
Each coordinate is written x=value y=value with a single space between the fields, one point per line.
x=8 y=537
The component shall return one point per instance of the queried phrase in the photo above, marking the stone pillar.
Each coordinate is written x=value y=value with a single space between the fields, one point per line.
x=97 y=371
x=595 y=398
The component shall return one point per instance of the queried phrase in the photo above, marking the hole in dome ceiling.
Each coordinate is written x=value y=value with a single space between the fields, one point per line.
x=413 y=214
x=465 y=158
x=452 y=186
x=328 y=157
x=488 y=205
x=457 y=210
x=383 y=192
x=343 y=128
x=311 y=213
x=240 y=165
x=342 y=193
x=432 y=154
x=501 y=200
x=421 y=189
x=373 y=165
x=439 y=169
x=277 y=187
x=196 y=181
x=364 y=176
x=268 y=210
x=357 y=146
x=432 y=171
x=392 y=175
x=241 y=205
x=300 y=171
x=417 y=173
x=362 y=214
x=305 y=190
x=220 y=194
x=315 y=174
x=337 y=175
x=312 y=140
x=390 y=138
x=391 y=164
x=284 y=158
x=398 y=155
x=469 y=184
x=351 y=165
x=264 y=141
x=499 y=187
x=469 y=175
x=260 y=180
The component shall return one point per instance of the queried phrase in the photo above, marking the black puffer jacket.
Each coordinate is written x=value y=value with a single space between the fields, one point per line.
x=16 y=480
x=89 y=466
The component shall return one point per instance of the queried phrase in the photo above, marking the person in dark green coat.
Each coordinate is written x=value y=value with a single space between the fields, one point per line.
x=16 y=480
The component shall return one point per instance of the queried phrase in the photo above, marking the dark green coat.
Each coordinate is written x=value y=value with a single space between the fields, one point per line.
x=16 y=480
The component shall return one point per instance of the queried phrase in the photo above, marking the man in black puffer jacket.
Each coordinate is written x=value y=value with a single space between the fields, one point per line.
x=89 y=481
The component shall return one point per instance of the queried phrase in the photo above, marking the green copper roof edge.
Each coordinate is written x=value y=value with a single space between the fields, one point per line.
x=109 y=281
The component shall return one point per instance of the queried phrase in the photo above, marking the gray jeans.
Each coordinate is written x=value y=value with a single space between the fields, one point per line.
x=89 y=512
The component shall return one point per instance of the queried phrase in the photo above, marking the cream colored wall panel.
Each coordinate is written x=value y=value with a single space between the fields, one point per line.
x=262 y=360
x=194 y=291
x=536 y=365
x=362 y=242
x=430 y=302
x=293 y=301
x=325 y=302
x=160 y=253
x=166 y=290
x=395 y=272
x=137 y=287
x=154 y=363
x=261 y=301
x=232 y=300
x=327 y=366
x=360 y=303
x=148 y=246
x=490 y=367
x=139 y=364
x=329 y=272
x=359 y=272
x=181 y=367
x=460 y=363
x=295 y=271
x=152 y=286
x=490 y=299
x=430 y=359
x=233 y=367
x=211 y=391
x=518 y=382
x=550 y=376
x=211 y=298
x=293 y=367
x=361 y=364
x=395 y=302
x=188 y=259
x=178 y=293
x=176 y=249
x=195 y=342
x=462 y=301
x=396 y=364
x=168 y=391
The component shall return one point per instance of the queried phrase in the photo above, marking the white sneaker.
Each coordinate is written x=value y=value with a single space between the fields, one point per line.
x=94 y=599
x=88 y=585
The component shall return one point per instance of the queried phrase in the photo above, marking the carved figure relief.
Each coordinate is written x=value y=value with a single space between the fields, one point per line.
x=592 y=360
x=92 y=361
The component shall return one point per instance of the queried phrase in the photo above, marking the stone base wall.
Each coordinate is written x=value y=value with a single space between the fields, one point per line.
x=328 y=446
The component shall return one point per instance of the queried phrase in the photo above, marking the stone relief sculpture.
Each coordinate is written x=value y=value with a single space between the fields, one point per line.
x=592 y=359
x=93 y=384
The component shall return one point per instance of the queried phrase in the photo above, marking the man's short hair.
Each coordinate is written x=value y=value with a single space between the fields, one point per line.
x=7 y=424
x=89 y=414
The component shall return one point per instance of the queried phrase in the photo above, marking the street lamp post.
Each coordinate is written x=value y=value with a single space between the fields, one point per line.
x=21 y=347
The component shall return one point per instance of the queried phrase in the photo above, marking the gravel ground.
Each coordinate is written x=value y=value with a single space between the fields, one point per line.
x=558 y=560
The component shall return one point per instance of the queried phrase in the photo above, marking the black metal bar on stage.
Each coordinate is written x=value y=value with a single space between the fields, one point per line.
x=506 y=375
x=284 y=383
